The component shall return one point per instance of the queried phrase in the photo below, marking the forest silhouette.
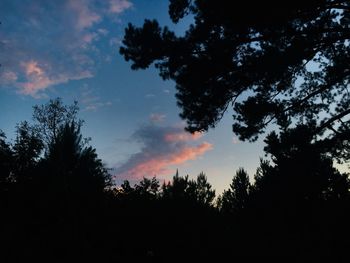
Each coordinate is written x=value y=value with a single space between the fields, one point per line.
x=59 y=202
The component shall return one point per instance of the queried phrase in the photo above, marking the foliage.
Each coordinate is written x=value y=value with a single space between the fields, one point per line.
x=26 y=149
x=281 y=62
x=51 y=116
x=183 y=189
x=236 y=197
x=6 y=161
x=303 y=164
x=75 y=164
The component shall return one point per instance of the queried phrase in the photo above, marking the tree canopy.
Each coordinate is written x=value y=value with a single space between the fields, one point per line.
x=50 y=117
x=235 y=198
x=282 y=62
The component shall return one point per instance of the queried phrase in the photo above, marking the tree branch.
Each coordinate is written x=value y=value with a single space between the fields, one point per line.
x=333 y=119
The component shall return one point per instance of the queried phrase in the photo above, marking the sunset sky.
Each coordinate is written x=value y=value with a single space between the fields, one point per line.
x=69 y=49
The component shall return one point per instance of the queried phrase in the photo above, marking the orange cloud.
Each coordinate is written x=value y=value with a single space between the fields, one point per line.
x=159 y=165
x=38 y=80
x=163 y=147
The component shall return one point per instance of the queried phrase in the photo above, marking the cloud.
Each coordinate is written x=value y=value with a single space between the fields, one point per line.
x=97 y=105
x=182 y=136
x=115 y=42
x=90 y=101
x=9 y=76
x=103 y=31
x=85 y=16
x=162 y=148
x=119 y=6
x=157 y=117
x=235 y=140
x=47 y=43
x=149 y=96
x=37 y=78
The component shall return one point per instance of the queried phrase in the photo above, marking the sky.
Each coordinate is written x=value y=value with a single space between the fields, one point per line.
x=69 y=49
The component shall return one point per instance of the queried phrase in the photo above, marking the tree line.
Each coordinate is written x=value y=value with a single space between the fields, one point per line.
x=58 y=202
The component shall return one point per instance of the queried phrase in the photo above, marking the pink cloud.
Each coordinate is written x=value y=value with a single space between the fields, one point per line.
x=162 y=148
x=89 y=37
x=32 y=68
x=84 y=15
x=119 y=6
x=38 y=80
x=159 y=166
x=8 y=77
x=190 y=153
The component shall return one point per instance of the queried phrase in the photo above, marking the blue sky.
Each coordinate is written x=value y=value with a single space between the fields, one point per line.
x=69 y=49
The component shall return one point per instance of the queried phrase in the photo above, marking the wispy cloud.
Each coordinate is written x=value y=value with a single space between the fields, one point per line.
x=162 y=148
x=235 y=140
x=46 y=43
x=37 y=78
x=157 y=117
x=118 y=6
x=150 y=96
x=9 y=77
x=115 y=42
x=85 y=15
x=90 y=101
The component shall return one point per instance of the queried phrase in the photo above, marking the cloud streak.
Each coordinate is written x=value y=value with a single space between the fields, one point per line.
x=47 y=43
x=157 y=117
x=162 y=148
x=37 y=78
x=118 y=6
x=90 y=101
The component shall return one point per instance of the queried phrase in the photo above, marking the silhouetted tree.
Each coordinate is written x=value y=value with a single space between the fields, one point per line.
x=299 y=202
x=149 y=188
x=303 y=163
x=6 y=162
x=235 y=198
x=126 y=188
x=177 y=188
x=26 y=150
x=198 y=191
x=73 y=163
x=51 y=116
x=202 y=190
x=274 y=61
